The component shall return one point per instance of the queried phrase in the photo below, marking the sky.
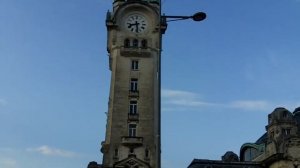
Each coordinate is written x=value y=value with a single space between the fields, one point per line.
x=220 y=78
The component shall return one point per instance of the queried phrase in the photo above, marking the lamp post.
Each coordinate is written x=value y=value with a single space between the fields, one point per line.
x=199 y=16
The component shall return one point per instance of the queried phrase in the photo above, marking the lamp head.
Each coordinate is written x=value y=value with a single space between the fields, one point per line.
x=199 y=16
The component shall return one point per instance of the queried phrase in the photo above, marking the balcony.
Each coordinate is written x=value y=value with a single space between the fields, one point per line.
x=133 y=93
x=135 y=52
x=132 y=141
x=133 y=117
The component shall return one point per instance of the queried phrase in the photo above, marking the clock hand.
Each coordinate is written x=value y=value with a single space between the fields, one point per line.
x=130 y=25
x=136 y=26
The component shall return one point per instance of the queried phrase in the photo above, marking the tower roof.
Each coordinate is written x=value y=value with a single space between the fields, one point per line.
x=280 y=114
x=297 y=111
x=263 y=139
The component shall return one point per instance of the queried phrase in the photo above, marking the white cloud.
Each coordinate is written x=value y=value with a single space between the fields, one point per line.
x=251 y=105
x=177 y=93
x=178 y=100
x=8 y=163
x=182 y=98
x=46 y=150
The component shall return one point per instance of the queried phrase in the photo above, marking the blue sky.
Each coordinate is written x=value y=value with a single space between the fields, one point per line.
x=221 y=77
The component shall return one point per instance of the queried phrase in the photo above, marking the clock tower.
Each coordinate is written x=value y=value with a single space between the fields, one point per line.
x=132 y=138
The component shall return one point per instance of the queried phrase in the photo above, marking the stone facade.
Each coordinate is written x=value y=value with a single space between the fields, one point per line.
x=279 y=147
x=132 y=138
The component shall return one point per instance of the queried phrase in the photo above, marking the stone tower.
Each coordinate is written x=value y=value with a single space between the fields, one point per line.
x=132 y=137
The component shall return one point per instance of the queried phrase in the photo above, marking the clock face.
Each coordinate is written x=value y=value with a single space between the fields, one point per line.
x=136 y=23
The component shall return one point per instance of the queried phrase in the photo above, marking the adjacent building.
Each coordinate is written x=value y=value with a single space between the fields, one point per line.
x=279 y=147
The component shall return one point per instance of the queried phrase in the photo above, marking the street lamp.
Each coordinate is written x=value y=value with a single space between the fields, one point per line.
x=199 y=16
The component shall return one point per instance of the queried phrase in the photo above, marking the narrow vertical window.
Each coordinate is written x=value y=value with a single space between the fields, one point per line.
x=144 y=43
x=132 y=130
x=286 y=131
x=126 y=43
x=135 y=43
x=285 y=114
x=133 y=107
x=134 y=65
x=270 y=120
x=147 y=153
x=133 y=84
x=272 y=134
x=116 y=152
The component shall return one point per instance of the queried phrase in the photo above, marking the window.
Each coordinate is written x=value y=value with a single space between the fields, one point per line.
x=144 y=43
x=134 y=65
x=131 y=150
x=285 y=114
x=135 y=43
x=132 y=130
x=286 y=131
x=116 y=152
x=147 y=153
x=272 y=134
x=133 y=84
x=126 y=43
x=250 y=154
x=133 y=107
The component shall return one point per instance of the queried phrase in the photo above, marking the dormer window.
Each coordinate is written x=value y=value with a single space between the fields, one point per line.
x=285 y=114
x=270 y=119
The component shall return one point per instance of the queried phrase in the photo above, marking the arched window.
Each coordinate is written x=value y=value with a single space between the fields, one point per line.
x=250 y=154
x=144 y=43
x=135 y=43
x=131 y=150
x=126 y=43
